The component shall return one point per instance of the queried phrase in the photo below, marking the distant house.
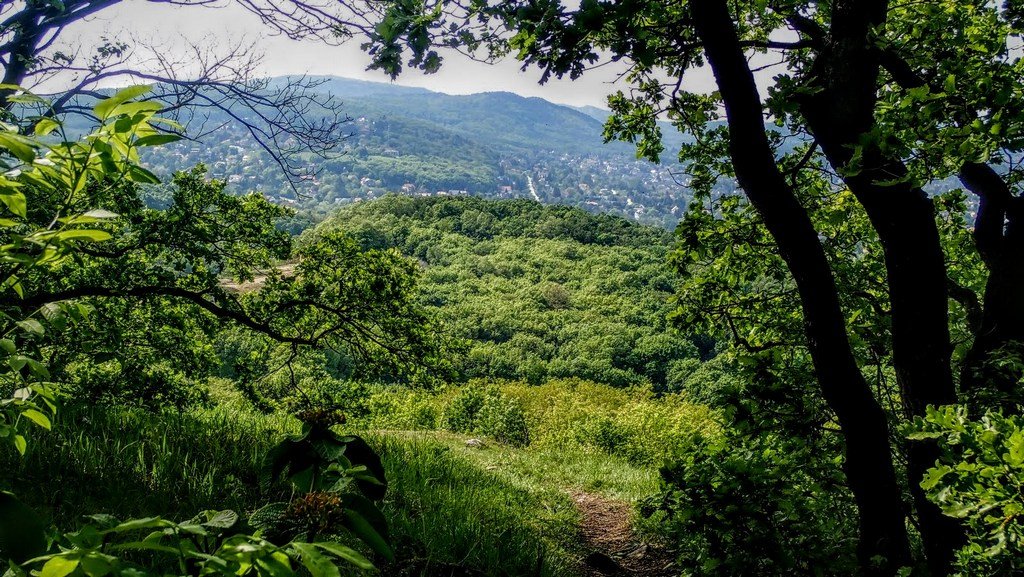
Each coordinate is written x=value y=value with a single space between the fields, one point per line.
x=408 y=187
x=506 y=188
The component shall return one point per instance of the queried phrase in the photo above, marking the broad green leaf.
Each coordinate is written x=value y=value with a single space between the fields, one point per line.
x=32 y=326
x=100 y=213
x=18 y=146
x=58 y=567
x=95 y=565
x=366 y=522
x=139 y=174
x=933 y=476
x=45 y=126
x=22 y=531
x=138 y=112
x=317 y=564
x=105 y=108
x=143 y=523
x=15 y=202
x=225 y=519
x=157 y=140
x=346 y=553
x=84 y=234
x=37 y=418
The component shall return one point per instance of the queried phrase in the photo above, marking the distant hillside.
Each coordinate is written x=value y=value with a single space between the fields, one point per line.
x=417 y=142
x=538 y=291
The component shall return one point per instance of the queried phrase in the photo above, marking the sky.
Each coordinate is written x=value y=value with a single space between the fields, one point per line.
x=168 y=25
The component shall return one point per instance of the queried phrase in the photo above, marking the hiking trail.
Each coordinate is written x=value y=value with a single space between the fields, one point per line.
x=614 y=549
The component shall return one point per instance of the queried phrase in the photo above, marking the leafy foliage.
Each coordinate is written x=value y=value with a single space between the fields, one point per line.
x=977 y=480
x=737 y=507
x=539 y=292
x=208 y=544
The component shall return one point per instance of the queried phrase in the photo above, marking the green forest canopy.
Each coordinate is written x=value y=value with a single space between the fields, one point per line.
x=537 y=291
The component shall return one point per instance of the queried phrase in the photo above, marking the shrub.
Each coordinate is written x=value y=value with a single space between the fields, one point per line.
x=756 y=507
x=502 y=418
x=394 y=408
x=978 y=480
x=461 y=411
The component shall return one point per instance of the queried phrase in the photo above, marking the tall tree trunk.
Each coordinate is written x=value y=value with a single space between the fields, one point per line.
x=999 y=236
x=20 y=55
x=839 y=112
x=868 y=463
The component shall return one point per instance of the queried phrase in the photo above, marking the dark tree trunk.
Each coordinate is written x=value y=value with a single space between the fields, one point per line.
x=868 y=464
x=1000 y=242
x=19 y=56
x=32 y=28
x=839 y=112
x=999 y=236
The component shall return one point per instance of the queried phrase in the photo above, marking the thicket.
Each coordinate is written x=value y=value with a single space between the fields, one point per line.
x=560 y=415
x=538 y=292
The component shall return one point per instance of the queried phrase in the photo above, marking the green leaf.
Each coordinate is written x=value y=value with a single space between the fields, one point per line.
x=97 y=565
x=32 y=326
x=933 y=476
x=17 y=146
x=58 y=567
x=20 y=444
x=45 y=126
x=157 y=139
x=22 y=531
x=15 y=202
x=100 y=213
x=368 y=524
x=347 y=554
x=318 y=565
x=139 y=174
x=37 y=418
x=84 y=234
x=220 y=519
x=143 y=523
x=105 y=108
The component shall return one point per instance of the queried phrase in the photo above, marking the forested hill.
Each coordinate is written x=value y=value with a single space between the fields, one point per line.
x=538 y=291
x=422 y=143
x=502 y=121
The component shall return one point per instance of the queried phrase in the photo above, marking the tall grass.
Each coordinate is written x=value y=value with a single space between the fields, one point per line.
x=449 y=514
x=562 y=416
x=134 y=463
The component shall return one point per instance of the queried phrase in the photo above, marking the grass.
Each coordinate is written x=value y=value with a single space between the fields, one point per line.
x=131 y=463
x=449 y=515
x=535 y=469
x=453 y=510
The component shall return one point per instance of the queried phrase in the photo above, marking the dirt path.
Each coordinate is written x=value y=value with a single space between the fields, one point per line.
x=614 y=549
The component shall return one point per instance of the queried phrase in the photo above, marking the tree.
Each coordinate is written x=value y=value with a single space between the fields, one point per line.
x=889 y=97
x=196 y=83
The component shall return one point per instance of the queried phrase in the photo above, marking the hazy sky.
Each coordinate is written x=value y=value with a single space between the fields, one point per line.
x=168 y=24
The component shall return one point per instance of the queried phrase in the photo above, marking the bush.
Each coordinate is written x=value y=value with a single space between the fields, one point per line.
x=560 y=415
x=502 y=418
x=483 y=409
x=394 y=408
x=461 y=411
x=629 y=423
x=978 y=480
x=756 y=507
